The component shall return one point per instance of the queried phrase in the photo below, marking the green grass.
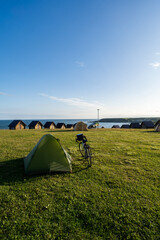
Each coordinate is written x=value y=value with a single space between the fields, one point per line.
x=117 y=198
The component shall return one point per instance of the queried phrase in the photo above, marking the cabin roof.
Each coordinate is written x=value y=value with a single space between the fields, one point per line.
x=69 y=125
x=33 y=123
x=15 y=122
x=135 y=125
x=157 y=123
x=48 y=124
x=148 y=124
x=59 y=125
x=125 y=126
x=115 y=126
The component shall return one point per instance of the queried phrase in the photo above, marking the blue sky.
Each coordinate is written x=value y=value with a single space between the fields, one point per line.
x=66 y=59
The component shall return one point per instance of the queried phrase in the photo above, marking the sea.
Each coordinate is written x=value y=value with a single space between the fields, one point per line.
x=4 y=123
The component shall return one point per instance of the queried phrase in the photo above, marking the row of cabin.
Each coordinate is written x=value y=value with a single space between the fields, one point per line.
x=136 y=125
x=19 y=124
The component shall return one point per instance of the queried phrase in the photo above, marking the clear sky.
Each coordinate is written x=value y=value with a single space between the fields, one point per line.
x=68 y=58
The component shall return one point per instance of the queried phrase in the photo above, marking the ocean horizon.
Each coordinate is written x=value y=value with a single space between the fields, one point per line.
x=4 y=123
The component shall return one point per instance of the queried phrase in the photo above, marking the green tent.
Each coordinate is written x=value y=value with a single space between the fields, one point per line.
x=47 y=156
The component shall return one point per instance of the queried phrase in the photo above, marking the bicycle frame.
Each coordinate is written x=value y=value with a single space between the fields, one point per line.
x=84 y=148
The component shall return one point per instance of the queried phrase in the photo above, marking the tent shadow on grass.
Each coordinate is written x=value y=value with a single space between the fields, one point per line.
x=11 y=171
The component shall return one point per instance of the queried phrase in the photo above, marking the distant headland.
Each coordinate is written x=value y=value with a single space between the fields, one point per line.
x=129 y=120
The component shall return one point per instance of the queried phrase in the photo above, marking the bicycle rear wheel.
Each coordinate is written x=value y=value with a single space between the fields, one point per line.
x=81 y=149
x=89 y=156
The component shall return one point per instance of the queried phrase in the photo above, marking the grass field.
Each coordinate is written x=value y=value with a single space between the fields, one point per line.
x=117 y=198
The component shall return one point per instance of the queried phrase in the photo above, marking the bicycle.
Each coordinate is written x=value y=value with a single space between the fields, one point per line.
x=84 y=148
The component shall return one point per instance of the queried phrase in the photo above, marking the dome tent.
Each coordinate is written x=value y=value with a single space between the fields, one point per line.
x=80 y=126
x=47 y=156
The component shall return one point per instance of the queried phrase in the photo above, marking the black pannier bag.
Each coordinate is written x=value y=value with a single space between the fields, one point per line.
x=80 y=137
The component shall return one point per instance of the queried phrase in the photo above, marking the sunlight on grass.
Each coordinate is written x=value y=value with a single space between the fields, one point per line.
x=117 y=198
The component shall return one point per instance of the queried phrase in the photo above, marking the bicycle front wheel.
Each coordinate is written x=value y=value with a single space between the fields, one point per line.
x=89 y=156
x=81 y=149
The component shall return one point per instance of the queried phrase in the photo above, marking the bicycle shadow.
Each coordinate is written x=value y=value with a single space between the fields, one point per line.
x=81 y=166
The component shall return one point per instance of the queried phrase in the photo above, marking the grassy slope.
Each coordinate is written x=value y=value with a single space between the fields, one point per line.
x=117 y=198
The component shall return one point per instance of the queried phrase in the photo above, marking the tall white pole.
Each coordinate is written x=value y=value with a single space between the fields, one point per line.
x=98 y=117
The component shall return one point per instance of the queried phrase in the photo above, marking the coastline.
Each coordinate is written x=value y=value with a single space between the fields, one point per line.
x=4 y=123
x=104 y=122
